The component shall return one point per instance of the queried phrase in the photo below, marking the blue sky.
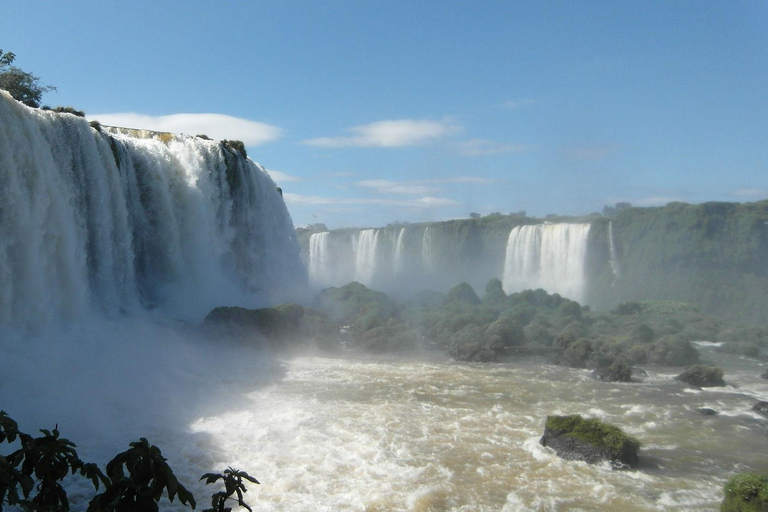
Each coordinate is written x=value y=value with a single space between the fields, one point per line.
x=369 y=112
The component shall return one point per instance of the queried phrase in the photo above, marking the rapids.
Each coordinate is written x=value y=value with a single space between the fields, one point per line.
x=427 y=434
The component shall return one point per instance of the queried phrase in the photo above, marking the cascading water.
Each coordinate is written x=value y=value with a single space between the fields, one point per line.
x=427 y=259
x=399 y=256
x=319 y=258
x=106 y=221
x=548 y=256
x=365 y=255
x=614 y=259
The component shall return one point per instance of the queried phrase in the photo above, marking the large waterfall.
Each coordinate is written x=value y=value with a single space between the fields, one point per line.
x=116 y=222
x=548 y=256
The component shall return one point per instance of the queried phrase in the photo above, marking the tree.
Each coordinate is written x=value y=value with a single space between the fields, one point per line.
x=23 y=86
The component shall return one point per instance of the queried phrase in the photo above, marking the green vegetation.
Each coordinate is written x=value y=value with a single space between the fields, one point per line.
x=236 y=146
x=31 y=476
x=708 y=254
x=23 y=86
x=746 y=492
x=702 y=376
x=575 y=437
x=592 y=431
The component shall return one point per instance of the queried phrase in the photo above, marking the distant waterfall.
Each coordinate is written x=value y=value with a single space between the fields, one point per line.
x=365 y=255
x=548 y=256
x=399 y=257
x=319 y=257
x=427 y=257
x=614 y=259
x=115 y=221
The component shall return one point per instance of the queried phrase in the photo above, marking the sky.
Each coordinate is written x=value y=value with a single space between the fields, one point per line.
x=372 y=112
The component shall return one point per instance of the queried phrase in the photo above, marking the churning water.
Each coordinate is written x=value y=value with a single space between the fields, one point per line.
x=428 y=434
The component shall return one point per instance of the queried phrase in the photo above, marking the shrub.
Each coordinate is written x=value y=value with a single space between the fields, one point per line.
x=746 y=492
x=702 y=376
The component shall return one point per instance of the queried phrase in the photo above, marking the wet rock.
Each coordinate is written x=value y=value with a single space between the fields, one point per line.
x=702 y=376
x=591 y=440
x=761 y=407
x=707 y=412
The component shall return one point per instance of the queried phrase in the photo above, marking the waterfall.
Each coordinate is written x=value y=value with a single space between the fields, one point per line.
x=548 y=256
x=114 y=222
x=427 y=259
x=365 y=255
x=614 y=260
x=399 y=256
x=319 y=259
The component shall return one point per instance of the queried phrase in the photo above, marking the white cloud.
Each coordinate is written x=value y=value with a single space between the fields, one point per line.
x=423 y=202
x=478 y=147
x=278 y=176
x=396 y=133
x=216 y=126
x=392 y=187
x=750 y=193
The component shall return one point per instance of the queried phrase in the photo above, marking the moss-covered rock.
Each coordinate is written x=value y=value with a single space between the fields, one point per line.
x=576 y=438
x=618 y=371
x=746 y=492
x=702 y=376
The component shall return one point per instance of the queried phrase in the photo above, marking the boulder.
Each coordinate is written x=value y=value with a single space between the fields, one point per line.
x=746 y=492
x=761 y=407
x=702 y=376
x=707 y=411
x=591 y=440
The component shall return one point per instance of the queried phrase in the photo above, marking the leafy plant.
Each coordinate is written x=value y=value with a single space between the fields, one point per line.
x=23 y=86
x=233 y=484
x=46 y=460
x=140 y=490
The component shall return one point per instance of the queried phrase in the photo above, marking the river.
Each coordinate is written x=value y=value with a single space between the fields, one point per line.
x=423 y=433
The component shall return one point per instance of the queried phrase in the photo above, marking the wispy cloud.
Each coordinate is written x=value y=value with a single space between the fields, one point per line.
x=592 y=153
x=750 y=193
x=423 y=202
x=515 y=104
x=281 y=176
x=391 y=134
x=479 y=147
x=393 y=187
x=419 y=187
x=216 y=126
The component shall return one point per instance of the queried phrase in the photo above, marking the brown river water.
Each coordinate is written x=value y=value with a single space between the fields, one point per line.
x=423 y=433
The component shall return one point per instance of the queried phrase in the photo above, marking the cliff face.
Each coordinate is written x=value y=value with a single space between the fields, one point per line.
x=712 y=255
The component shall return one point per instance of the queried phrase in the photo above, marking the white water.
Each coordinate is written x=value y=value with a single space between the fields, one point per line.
x=319 y=258
x=422 y=433
x=112 y=224
x=365 y=255
x=615 y=269
x=399 y=256
x=548 y=256
x=427 y=251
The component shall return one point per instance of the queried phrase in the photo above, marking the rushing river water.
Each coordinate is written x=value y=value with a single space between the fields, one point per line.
x=426 y=434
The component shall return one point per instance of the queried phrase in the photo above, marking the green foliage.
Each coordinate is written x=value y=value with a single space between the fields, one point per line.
x=702 y=376
x=148 y=477
x=746 y=492
x=462 y=293
x=23 y=86
x=592 y=431
x=233 y=484
x=40 y=464
x=618 y=371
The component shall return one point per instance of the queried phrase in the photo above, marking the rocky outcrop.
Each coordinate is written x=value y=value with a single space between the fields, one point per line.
x=702 y=376
x=761 y=407
x=591 y=440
